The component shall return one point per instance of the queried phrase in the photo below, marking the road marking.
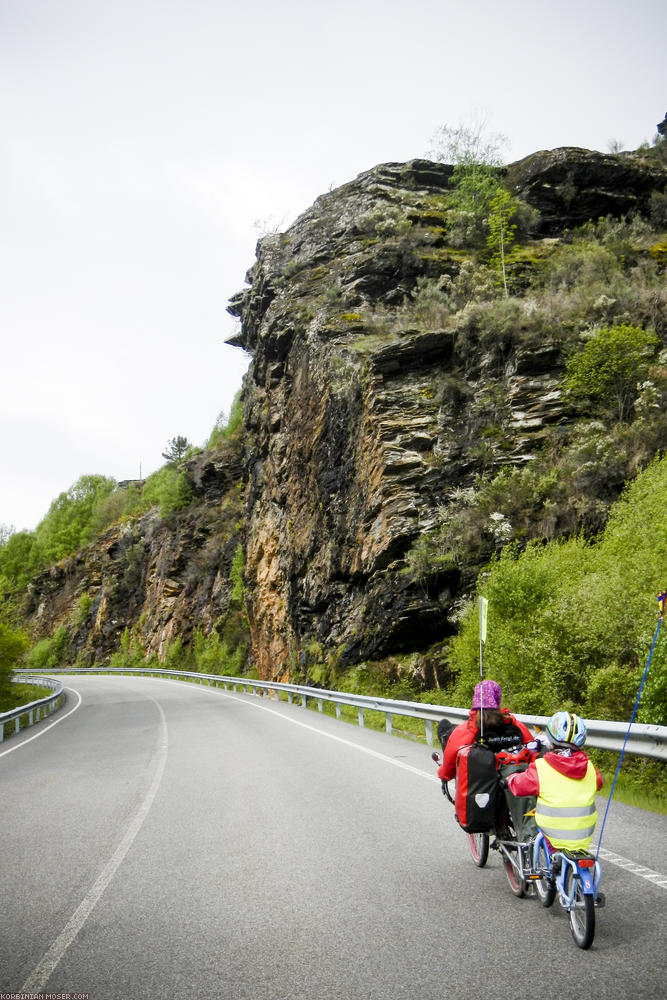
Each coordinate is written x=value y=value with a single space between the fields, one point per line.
x=46 y=729
x=631 y=866
x=38 y=978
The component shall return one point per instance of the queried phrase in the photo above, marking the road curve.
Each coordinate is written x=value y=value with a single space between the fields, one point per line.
x=171 y=840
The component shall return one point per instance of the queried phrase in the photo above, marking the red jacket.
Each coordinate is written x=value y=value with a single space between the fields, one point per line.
x=464 y=735
x=528 y=783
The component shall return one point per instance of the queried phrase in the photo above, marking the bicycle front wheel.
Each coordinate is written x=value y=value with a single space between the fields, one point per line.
x=582 y=912
x=545 y=887
x=479 y=848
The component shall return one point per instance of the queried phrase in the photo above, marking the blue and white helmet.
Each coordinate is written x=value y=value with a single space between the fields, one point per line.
x=566 y=730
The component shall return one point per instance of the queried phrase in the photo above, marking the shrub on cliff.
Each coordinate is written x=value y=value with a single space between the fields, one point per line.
x=68 y=526
x=227 y=423
x=610 y=368
x=168 y=489
x=49 y=654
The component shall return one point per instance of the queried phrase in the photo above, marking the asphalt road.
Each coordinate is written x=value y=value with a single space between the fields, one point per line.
x=160 y=839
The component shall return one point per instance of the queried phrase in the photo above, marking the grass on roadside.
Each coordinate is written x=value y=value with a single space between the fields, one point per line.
x=23 y=694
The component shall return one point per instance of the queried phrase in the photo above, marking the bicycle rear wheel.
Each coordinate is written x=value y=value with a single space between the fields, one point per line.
x=582 y=912
x=479 y=848
x=517 y=884
x=511 y=855
x=545 y=887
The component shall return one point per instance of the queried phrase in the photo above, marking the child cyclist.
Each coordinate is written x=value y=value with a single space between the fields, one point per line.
x=565 y=783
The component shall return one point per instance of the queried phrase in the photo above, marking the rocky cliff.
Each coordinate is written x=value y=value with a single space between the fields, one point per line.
x=364 y=420
x=389 y=378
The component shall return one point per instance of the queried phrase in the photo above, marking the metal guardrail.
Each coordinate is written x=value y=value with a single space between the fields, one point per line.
x=644 y=740
x=28 y=715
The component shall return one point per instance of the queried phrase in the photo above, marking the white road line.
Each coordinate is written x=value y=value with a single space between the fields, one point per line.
x=331 y=736
x=46 y=728
x=631 y=866
x=38 y=978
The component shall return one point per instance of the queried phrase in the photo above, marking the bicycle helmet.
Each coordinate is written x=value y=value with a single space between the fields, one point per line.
x=566 y=731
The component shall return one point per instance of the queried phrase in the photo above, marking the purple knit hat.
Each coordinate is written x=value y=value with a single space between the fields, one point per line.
x=488 y=694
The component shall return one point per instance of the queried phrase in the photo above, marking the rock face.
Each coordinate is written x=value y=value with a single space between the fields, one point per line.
x=360 y=429
x=571 y=185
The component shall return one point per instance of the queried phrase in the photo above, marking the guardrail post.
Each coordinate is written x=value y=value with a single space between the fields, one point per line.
x=304 y=701
x=338 y=710
x=319 y=705
x=388 y=721
x=17 y=726
x=289 y=697
x=428 y=725
x=360 y=716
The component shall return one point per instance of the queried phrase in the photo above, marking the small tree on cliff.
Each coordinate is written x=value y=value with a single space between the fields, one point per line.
x=502 y=210
x=176 y=450
x=480 y=208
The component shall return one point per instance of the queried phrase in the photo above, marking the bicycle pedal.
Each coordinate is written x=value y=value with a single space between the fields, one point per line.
x=600 y=900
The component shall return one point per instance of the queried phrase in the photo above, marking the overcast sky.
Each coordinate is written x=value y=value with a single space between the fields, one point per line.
x=143 y=141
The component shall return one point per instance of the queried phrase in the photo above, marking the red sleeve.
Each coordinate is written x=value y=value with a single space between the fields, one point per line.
x=600 y=779
x=524 y=782
x=460 y=737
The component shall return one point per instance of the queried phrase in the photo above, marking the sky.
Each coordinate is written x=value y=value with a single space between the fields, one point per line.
x=147 y=144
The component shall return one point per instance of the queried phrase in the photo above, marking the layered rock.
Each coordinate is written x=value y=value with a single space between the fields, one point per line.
x=572 y=185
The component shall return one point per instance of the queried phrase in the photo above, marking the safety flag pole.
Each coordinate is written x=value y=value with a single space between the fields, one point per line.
x=662 y=605
x=483 y=618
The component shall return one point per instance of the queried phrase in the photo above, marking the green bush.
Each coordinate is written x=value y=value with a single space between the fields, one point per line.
x=129 y=655
x=610 y=367
x=49 y=654
x=19 y=561
x=571 y=622
x=13 y=644
x=70 y=522
x=168 y=489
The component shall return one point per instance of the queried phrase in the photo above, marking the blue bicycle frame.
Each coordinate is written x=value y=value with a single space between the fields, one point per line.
x=583 y=866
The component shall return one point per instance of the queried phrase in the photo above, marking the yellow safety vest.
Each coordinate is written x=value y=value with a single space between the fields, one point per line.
x=565 y=809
